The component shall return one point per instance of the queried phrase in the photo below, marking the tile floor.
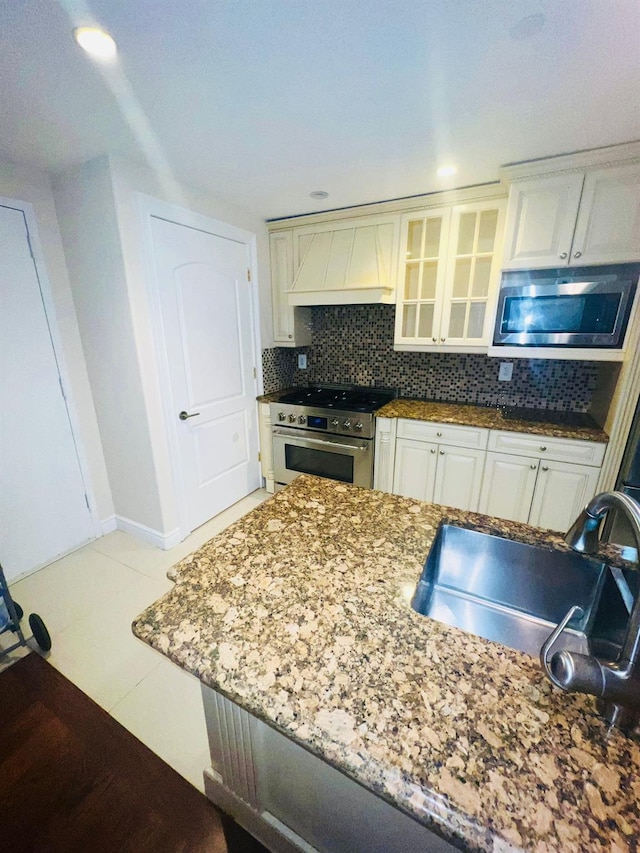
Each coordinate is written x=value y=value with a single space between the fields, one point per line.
x=88 y=600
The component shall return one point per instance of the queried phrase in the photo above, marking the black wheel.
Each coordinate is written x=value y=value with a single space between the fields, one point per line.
x=40 y=633
x=19 y=610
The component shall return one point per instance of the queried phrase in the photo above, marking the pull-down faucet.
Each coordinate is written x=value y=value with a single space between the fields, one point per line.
x=616 y=684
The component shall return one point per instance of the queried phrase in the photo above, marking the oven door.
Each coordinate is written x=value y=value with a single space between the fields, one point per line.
x=337 y=457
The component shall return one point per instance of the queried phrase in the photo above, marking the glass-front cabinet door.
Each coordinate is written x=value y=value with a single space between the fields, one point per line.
x=449 y=276
x=472 y=276
x=421 y=281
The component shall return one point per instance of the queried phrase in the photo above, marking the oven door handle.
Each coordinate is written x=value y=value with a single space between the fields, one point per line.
x=324 y=444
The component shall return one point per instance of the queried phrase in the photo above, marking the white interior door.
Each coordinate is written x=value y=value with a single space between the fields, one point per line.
x=205 y=301
x=43 y=508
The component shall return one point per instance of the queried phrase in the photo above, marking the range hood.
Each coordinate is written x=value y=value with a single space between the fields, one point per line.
x=346 y=265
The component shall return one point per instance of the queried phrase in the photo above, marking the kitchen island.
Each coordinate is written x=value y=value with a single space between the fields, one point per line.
x=299 y=615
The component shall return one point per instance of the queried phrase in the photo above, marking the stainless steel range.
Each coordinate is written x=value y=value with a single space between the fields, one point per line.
x=327 y=431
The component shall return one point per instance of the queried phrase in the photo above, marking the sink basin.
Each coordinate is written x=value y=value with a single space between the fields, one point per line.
x=516 y=594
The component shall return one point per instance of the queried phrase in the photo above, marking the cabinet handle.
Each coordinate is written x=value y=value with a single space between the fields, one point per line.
x=442 y=453
x=290 y=336
x=563 y=255
x=433 y=451
x=533 y=467
x=438 y=434
x=435 y=340
x=543 y=447
x=442 y=340
x=577 y=254
x=545 y=467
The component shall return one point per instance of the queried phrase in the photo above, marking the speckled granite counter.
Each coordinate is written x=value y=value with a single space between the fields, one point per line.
x=489 y=418
x=300 y=613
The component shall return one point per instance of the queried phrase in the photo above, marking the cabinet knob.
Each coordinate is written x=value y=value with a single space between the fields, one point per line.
x=533 y=467
x=433 y=451
x=442 y=340
x=563 y=255
x=543 y=447
x=435 y=340
x=545 y=467
x=442 y=453
x=290 y=336
x=577 y=254
x=438 y=434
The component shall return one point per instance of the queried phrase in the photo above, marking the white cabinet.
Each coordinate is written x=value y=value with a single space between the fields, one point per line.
x=444 y=473
x=291 y=326
x=507 y=486
x=574 y=218
x=448 y=276
x=562 y=490
x=543 y=481
x=345 y=262
x=266 y=446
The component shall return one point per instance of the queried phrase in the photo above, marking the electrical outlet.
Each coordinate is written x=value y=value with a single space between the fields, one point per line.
x=302 y=361
x=506 y=371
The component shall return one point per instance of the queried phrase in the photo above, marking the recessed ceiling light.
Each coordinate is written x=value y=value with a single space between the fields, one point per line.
x=447 y=171
x=526 y=27
x=97 y=43
x=318 y=194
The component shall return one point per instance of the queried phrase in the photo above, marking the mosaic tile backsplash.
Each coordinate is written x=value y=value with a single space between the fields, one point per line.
x=353 y=344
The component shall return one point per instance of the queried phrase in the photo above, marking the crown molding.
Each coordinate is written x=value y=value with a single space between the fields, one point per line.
x=613 y=155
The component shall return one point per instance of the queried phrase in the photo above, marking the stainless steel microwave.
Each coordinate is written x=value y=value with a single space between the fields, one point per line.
x=581 y=307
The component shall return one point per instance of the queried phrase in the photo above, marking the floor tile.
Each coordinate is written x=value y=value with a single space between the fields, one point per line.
x=132 y=552
x=165 y=712
x=66 y=590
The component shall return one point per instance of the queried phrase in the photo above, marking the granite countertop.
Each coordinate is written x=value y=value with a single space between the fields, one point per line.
x=300 y=613
x=274 y=396
x=489 y=418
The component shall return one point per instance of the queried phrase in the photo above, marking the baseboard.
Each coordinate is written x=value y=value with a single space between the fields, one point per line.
x=148 y=534
x=108 y=525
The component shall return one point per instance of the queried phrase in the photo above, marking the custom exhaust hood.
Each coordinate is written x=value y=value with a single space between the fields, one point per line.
x=346 y=264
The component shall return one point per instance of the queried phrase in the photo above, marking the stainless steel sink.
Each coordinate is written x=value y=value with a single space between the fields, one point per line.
x=516 y=594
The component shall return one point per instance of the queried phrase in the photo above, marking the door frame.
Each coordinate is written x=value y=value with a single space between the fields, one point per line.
x=46 y=294
x=149 y=208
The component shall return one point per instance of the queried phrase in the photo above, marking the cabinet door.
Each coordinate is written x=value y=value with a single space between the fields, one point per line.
x=608 y=227
x=562 y=490
x=541 y=219
x=291 y=326
x=473 y=272
x=507 y=486
x=421 y=276
x=414 y=473
x=458 y=477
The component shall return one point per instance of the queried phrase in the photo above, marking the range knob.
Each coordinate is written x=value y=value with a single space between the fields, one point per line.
x=346 y=424
x=301 y=419
x=282 y=416
x=292 y=419
x=335 y=422
x=358 y=425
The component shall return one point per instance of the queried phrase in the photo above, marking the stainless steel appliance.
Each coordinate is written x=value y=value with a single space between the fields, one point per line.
x=327 y=431
x=617 y=528
x=585 y=307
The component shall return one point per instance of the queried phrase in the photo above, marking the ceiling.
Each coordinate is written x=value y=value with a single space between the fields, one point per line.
x=261 y=102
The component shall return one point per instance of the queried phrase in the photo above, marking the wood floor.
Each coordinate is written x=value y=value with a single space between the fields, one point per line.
x=73 y=779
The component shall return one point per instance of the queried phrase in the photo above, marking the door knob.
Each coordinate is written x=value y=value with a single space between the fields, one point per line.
x=184 y=415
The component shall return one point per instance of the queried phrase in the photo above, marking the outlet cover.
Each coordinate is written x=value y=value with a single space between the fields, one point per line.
x=506 y=371
x=302 y=361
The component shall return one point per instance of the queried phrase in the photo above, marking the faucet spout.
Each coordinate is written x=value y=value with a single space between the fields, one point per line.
x=615 y=683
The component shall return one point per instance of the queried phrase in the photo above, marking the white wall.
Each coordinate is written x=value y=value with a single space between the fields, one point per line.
x=20 y=183
x=98 y=209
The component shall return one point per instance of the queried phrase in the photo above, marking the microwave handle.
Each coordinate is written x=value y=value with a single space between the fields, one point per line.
x=324 y=444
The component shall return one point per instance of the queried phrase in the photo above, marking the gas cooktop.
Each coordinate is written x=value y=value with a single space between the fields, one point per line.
x=353 y=399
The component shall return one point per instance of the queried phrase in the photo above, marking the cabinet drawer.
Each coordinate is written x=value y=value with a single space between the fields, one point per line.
x=457 y=436
x=544 y=447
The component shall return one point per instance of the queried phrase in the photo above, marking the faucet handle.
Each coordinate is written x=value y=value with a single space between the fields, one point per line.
x=576 y=611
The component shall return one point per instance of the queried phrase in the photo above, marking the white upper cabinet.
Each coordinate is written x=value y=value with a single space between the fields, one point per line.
x=351 y=261
x=541 y=219
x=608 y=226
x=576 y=218
x=448 y=276
x=291 y=326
